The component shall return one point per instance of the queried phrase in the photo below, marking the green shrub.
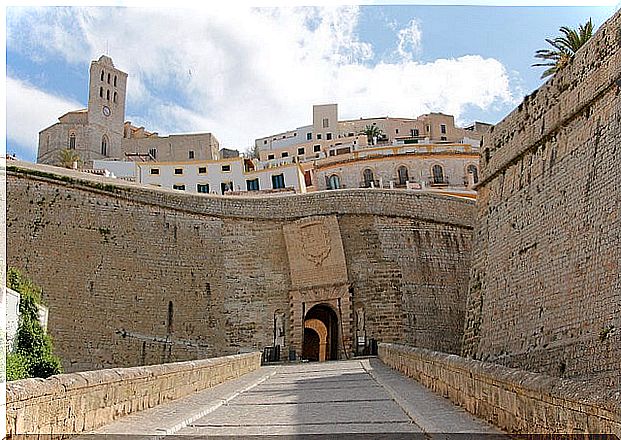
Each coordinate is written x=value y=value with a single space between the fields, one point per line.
x=16 y=367
x=32 y=345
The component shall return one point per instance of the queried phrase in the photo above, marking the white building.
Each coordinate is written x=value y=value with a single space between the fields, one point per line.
x=223 y=176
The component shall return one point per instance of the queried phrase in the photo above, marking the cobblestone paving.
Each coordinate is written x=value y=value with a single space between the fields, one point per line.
x=357 y=397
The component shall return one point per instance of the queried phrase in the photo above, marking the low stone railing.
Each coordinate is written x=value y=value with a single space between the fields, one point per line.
x=80 y=402
x=514 y=400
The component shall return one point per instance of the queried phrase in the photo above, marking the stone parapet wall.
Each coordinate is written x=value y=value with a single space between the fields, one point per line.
x=81 y=402
x=514 y=400
x=545 y=278
x=424 y=206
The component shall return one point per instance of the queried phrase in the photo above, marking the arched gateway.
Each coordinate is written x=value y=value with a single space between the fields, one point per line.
x=321 y=334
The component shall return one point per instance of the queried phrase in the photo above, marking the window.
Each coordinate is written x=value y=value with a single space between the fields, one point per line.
x=202 y=170
x=396 y=131
x=317 y=148
x=179 y=187
x=114 y=80
x=252 y=185
x=318 y=135
x=104 y=145
x=190 y=154
x=278 y=181
x=402 y=174
x=178 y=170
x=226 y=186
x=367 y=175
x=329 y=136
x=153 y=153
x=115 y=95
x=155 y=170
x=301 y=151
x=226 y=168
x=72 y=141
x=108 y=95
x=309 y=136
x=270 y=157
x=108 y=78
x=442 y=138
x=414 y=132
x=443 y=128
x=102 y=75
x=325 y=123
x=472 y=169
x=438 y=174
x=334 y=182
x=428 y=128
x=101 y=92
x=285 y=154
x=202 y=188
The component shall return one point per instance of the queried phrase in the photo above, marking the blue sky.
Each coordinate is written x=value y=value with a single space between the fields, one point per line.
x=243 y=73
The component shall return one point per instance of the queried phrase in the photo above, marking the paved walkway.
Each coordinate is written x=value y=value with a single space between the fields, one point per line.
x=357 y=398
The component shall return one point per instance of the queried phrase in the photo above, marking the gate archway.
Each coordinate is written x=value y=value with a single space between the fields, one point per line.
x=321 y=334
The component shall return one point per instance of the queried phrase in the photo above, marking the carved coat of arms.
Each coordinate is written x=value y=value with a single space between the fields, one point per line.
x=315 y=242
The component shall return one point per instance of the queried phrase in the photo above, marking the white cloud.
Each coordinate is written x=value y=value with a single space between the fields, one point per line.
x=409 y=40
x=30 y=110
x=246 y=73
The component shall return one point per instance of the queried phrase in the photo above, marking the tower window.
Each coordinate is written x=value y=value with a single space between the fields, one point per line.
x=108 y=78
x=102 y=75
x=114 y=80
x=115 y=95
x=108 y=95
x=101 y=92
x=72 y=141
x=443 y=128
x=191 y=154
x=104 y=145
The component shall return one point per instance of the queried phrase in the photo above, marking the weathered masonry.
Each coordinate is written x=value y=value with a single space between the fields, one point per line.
x=545 y=289
x=133 y=275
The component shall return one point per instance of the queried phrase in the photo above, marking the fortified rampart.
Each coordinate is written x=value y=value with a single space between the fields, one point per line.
x=545 y=288
x=134 y=275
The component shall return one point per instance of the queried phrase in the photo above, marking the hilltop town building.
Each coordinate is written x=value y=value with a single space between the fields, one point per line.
x=101 y=132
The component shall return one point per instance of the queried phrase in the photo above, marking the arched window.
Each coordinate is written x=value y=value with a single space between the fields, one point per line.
x=102 y=75
x=334 y=182
x=114 y=99
x=104 y=145
x=402 y=173
x=108 y=78
x=472 y=169
x=367 y=175
x=72 y=141
x=114 y=80
x=438 y=174
x=101 y=92
x=108 y=95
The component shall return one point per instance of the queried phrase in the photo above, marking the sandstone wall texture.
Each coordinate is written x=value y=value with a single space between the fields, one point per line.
x=82 y=402
x=135 y=276
x=545 y=286
x=514 y=400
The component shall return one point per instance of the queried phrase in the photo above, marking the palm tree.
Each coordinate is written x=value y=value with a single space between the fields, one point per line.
x=565 y=47
x=372 y=132
x=68 y=157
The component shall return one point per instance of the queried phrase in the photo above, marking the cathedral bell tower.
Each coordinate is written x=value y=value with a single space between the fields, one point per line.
x=106 y=108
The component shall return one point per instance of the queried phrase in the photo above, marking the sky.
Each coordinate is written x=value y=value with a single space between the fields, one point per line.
x=243 y=72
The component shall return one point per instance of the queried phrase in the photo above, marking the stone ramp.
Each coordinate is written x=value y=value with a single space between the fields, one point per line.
x=356 y=398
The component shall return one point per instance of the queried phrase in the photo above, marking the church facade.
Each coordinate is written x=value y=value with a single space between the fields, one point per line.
x=101 y=132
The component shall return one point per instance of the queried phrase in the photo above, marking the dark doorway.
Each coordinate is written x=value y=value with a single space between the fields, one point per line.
x=310 y=350
x=321 y=334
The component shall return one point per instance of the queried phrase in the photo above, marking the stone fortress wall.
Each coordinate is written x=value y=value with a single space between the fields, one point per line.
x=545 y=288
x=134 y=275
